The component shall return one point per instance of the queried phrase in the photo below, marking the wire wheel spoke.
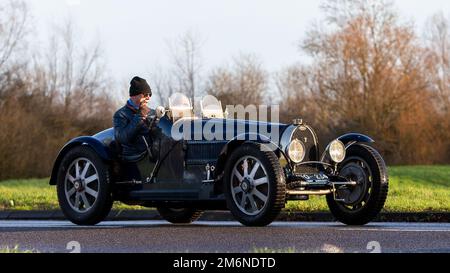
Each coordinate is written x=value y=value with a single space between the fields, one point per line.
x=261 y=181
x=77 y=169
x=91 y=178
x=254 y=170
x=85 y=170
x=252 y=203
x=77 y=200
x=237 y=190
x=86 y=203
x=260 y=195
x=71 y=192
x=91 y=192
x=243 y=200
x=238 y=175
x=70 y=178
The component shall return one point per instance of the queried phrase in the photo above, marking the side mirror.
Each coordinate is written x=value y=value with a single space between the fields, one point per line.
x=160 y=111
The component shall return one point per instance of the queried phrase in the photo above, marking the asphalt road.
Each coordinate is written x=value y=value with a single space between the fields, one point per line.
x=160 y=236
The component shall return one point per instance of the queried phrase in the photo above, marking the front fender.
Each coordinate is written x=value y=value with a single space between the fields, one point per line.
x=101 y=149
x=348 y=140
x=355 y=137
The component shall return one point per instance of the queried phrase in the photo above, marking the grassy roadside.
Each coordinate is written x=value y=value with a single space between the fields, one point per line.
x=34 y=194
x=16 y=250
x=412 y=189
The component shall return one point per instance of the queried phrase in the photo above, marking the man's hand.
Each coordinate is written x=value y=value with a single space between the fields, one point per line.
x=143 y=108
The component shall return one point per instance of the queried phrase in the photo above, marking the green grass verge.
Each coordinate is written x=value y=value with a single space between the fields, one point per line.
x=15 y=250
x=411 y=189
x=34 y=194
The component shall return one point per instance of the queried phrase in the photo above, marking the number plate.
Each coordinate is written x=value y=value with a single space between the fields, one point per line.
x=314 y=178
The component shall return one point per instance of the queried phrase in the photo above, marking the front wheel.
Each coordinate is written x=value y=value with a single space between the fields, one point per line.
x=84 y=193
x=255 y=186
x=360 y=204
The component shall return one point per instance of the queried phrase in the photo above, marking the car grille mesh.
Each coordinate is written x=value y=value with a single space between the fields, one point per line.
x=201 y=151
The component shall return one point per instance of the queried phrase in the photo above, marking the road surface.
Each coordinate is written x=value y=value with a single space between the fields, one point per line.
x=160 y=236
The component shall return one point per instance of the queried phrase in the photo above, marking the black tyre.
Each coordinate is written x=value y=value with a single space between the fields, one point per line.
x=179 y=216
x=84 y=193
x=254 y=185
x=360 y=204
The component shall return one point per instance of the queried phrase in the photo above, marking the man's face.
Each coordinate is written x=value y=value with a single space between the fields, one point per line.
x=141 y=99
x=144 y=98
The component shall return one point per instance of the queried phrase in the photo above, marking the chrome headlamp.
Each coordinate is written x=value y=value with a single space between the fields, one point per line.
x=337 y=151
x=296 y=151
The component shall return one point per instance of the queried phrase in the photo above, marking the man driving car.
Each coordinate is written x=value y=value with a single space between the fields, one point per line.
x=131 y=126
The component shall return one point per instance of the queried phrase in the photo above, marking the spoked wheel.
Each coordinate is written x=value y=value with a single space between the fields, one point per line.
x=81 y=185
x=360 y=204
x=179 y=215
x=83 y=191
x=254 y=185
x=250 y=185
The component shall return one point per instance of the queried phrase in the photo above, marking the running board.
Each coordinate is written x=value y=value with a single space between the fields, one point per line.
x=165 y=195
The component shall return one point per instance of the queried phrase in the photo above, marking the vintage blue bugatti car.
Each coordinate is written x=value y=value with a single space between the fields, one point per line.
x=238 y=165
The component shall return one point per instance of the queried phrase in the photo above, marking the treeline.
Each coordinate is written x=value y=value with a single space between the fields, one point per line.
x=49 y=93
x=373 y=74
x=367 y=71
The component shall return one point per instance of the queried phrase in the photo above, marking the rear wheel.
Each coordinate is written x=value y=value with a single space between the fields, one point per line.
x=83 y=191
x=179 y=216
x=255 y=186
x=360 y=204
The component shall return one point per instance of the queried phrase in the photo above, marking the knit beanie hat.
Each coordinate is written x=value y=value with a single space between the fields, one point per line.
x=139 y=86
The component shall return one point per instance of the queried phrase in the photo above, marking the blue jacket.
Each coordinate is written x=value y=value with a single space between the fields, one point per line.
x=129 y=128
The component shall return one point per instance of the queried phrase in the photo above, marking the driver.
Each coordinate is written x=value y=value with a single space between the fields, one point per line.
x=131 y=125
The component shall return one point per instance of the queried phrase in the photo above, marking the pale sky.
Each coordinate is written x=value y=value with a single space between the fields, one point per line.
x=134 y=32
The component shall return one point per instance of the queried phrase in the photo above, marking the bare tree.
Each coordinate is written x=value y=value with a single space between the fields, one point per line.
x=164 y=84
x=244 y=82
x=295 y=93
x=183 y=74
x=186 y=64
x=14 y=19
x=368 y=75
x=437 y=39
x=74 y=74
x=13 y=26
